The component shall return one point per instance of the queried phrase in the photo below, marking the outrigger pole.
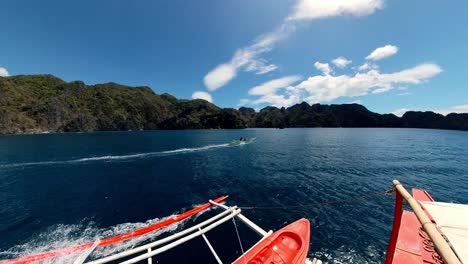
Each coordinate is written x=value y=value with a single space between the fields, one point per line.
x=111 y=240
x=443 y=248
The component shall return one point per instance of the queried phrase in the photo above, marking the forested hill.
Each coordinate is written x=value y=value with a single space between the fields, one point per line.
x=44 y=103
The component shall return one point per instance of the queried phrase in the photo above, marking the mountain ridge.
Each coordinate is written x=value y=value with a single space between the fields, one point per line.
x=45 y=103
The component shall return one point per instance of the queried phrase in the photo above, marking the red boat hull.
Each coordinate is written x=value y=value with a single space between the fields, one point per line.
x=288 y=245
x=407 y=243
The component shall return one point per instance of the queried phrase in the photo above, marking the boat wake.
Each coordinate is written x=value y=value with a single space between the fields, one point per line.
x=118 y=157
x=61 y=236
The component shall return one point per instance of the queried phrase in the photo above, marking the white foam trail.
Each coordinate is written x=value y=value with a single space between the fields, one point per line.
x=119 y=157
x=344 y=254
x=60 y=236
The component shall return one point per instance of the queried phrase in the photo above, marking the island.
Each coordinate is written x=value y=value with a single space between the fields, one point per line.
x=45 y=103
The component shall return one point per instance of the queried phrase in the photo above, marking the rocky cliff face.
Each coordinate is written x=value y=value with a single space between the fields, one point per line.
x=40 y=103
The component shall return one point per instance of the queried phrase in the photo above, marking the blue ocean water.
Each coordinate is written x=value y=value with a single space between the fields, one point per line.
x=64 y=189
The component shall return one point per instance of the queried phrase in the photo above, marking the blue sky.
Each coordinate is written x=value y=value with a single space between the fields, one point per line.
x=253 y=53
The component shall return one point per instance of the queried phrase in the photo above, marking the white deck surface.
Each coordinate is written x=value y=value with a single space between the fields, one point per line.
x=452 y=220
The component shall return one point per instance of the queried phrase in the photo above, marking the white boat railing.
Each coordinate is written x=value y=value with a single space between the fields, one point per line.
x=81 y=259
x=244 y=219
x=154 y=248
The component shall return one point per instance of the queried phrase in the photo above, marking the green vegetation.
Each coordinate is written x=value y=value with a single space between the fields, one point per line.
x=39 y=103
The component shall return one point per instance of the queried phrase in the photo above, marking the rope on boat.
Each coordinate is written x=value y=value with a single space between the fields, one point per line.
x=238 y=236
x=339 y=201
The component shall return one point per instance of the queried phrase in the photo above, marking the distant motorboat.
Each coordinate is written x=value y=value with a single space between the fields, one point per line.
x=242 y=142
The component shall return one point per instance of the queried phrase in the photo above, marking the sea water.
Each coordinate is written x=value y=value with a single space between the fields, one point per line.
x=64 y=189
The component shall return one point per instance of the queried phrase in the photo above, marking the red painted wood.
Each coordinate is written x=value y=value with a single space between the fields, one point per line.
x=396 y=227
x=408 y=248
x=422 y=195
x=406 y=245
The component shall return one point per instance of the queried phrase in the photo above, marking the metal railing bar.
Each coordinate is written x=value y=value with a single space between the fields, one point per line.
x=182 y=240
x=82 y=258
x=211 y=248
x=244 y=219
x=150 y=260
x=164 y=240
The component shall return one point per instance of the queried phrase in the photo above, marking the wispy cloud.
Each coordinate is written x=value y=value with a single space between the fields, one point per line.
x=341 y=62
x=268 y=92
x=243 y=102
x=273 y=85
x=262 y=69
x=314 y=9
x=219 y=76
x=289 y=97
x=458 y=109
x=323 y=67
x=3 y=72
x=247 y=58
x=202 y=95
x=382 y=52
x=404 y=94
x=401 y=111
x=368 y=66
x=454 y=109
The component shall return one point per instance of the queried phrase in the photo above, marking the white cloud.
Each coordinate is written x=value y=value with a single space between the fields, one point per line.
x=382 y=52
x=364 y=67
x=324 y=67
x=327 y=87
x=270 y=87
x=269 y=92
x=3 y=72
x=243 y=102
x=453 y=109
x=289 y=97
x=400 y=112
x=368 y=66
x=247 y=58
x=413 y=75
x=202 y=95
x=266 y=69
x=341 y=62
x=355 y=102
x=404 y=93
x=219 y=76
x=260 y=66
x=382 y=89
x=313 y=9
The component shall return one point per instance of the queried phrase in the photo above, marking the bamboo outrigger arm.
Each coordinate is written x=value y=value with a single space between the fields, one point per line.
x=441 y=245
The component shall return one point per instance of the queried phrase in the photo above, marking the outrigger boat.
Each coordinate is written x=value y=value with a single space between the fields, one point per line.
x=433 y=232
x=287 y=245
x=242 y=142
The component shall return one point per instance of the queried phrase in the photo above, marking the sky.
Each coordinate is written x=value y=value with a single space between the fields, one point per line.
x=388 y=55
